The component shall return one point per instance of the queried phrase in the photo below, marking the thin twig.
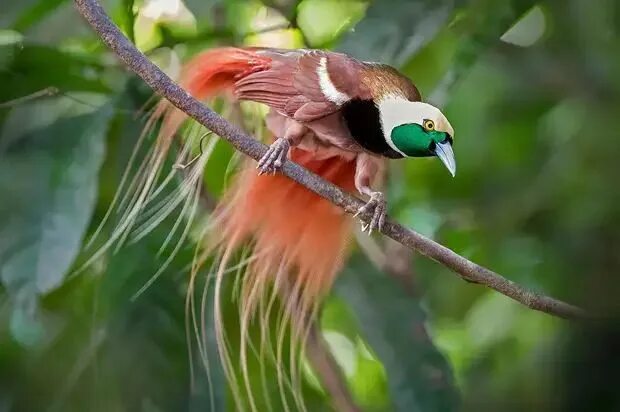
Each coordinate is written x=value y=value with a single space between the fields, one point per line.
x=331 y=375
x=47 y=92
x=393 y=258
x=164 y=86
x=399 y=265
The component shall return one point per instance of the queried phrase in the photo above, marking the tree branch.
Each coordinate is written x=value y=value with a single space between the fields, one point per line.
x=164 y=86
x=331 y=375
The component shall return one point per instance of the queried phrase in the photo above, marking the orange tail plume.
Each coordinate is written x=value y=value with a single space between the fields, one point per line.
x=298 y=239
x=287 y=222
x=299 y=242
x=292 y=229
x=206 y=75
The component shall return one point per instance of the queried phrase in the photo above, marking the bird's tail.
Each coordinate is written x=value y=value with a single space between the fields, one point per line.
x=298 y=239
x=298 y=242
x=289 y=225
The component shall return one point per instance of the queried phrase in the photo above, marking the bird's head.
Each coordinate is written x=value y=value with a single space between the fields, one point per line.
x=416 y=129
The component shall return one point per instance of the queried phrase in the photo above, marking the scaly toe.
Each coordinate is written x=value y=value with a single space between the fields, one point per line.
x=274 y=158
x=377 y=206
x=381 y=222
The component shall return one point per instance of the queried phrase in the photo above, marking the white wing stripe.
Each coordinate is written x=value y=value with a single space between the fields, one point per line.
x=327 y=86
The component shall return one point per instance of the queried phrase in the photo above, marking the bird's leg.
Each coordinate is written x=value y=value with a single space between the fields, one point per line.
x=277 y=153
x=377 y=205
x=366 y=170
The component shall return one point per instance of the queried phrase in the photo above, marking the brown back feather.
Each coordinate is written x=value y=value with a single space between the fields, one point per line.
x=382 y=79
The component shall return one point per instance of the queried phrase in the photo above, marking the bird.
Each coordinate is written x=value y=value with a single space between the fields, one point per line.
x=337 y=116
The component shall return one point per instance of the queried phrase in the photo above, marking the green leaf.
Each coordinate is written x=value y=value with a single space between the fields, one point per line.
x=369 y=385
x=36 y=13
x=394 y=30
x=25 y=325
x=10 y=37
x=48 y=176
x=31 y=69
x=336 y=315
x=393 y=323
x=474 y=31
x=528 y=30
x=128 y=18
x=335 y=17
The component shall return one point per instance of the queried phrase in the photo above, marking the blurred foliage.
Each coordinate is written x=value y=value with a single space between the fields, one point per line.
x=532 y=90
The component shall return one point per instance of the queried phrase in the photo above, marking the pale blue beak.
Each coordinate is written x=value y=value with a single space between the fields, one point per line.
x=445 y=153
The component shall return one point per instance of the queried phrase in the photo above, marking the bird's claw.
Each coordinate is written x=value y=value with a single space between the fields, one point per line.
x=275 y=157
x=377 y=206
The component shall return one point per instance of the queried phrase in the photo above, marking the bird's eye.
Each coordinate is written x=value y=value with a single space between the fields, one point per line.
x=429 y=125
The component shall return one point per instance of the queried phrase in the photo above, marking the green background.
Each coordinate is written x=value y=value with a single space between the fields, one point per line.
x=531 y=89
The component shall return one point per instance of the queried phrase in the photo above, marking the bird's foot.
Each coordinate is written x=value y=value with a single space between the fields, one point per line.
x=378 y=207
x=275 y=157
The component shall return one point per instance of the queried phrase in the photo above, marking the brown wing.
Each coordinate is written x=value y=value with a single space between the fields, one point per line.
x=295 y=83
